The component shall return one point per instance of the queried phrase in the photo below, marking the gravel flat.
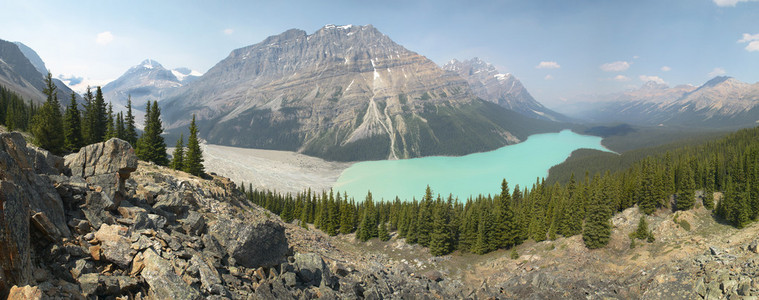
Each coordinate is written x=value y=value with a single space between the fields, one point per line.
x=283 y=171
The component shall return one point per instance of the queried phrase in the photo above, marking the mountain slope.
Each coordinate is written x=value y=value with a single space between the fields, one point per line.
x=342 y=93
x=23 y=71
x=504 y=89
x=722 y=102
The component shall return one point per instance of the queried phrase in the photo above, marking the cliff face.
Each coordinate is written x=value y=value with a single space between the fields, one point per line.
x=342 y=93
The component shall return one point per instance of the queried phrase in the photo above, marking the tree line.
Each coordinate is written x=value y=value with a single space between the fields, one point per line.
x=484 y=223
x=66 y=132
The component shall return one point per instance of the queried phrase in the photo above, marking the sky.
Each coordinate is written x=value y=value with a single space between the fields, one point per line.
x=560 y=50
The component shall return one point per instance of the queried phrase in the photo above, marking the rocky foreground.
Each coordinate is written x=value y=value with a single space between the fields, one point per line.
x=101 y=225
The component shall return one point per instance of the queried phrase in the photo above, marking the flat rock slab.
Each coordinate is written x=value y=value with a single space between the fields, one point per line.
x=163 y=282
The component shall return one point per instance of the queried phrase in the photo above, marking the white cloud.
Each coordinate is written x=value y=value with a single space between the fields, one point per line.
x=228 y=31
x=657 y=79
x=749 y=37
x=666 y=69
x=548 y=65
x=731 y=3
x=548 y=77
x=617 y=66
x=753 y=46
x=104 y=38
x=621 y=78
x=717 y=72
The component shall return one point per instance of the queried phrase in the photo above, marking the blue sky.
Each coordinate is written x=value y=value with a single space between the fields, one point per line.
x=559 y=49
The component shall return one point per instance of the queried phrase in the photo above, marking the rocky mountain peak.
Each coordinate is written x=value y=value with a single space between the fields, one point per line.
x=149 y=64
x=504 y=89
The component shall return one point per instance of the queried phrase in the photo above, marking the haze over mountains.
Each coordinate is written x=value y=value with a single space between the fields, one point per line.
x=721 y=102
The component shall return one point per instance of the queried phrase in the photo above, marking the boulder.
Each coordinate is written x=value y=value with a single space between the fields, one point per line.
x=45 y=162
x=163 y=282
x=45 y=227
x=194 y=224
x=177 y=204
x=312 y=271
x=114 y=244
x=97 y=284
x=252 y=243
x=111 y=156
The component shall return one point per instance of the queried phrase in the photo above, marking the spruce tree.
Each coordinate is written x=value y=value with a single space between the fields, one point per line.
x=506 y=229
x=120 y=130
x=685 y=195
x=151 y=146
x=47 y=125
x=441 y=241
x=130 y=132
x=177 y=160
x=382 y=232
x=194 y=157
x=597 y=230
x=101 y=117
x=110 y=127
x=72 y=128
x=88 y=118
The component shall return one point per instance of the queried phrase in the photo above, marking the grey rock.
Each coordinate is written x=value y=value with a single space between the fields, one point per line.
x=44 y=226
x=194 y=224
x=209 y=276
x=252 y=243
x=753 y=247
x=81 y=266
x=312 y=271
x=45 y=162
x=111 y=187
x=157 y=221
x=96 y=209
x=163 y=282
x=115 y=245
x=96 y=284
x=714 y=250
x=111 y=156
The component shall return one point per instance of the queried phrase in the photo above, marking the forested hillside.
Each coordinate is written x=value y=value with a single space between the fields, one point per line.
x=723 y=169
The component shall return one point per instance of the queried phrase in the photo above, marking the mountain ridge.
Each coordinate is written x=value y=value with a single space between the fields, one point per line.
x=341 y=93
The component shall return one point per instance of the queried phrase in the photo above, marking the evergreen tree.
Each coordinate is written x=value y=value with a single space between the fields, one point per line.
x=686 y=188
x=120 y=130
x=506 y=231
x=441 y=240
x=150 y=146
x=194 y=159
x=88 y=119
x=110 y=127
x=100 y=118
x=597 y=228
x=642 y=231
x=177 y=160
x=47 y=125
x=72 y=128
x=382 y=232
x=130 y=132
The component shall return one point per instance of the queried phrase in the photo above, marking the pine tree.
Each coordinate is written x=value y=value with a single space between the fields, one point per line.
x=382 y=232
x=101 y=117
x=110 y=128
x=130 y=132
x=72 y=128
x=47 y=125
x=88 y=119
x=120 y=130
x=686 y=191
x=150 y=146
x=194 y=159
x=597 y=230
x=177 y=160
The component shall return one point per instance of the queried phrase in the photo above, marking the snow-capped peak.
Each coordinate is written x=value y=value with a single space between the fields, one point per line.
x=149 y=64
x=502 y=77
x=182 y=73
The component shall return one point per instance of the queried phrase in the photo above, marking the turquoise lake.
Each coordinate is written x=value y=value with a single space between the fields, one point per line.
x=462 y=176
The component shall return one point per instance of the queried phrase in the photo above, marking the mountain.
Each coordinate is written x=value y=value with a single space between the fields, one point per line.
x=342 y=93
x=23 y=71
x=147 y=81
x=722 y=102
x=503 y=89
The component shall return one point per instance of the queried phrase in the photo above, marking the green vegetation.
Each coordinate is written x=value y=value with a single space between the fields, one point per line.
x=177 y=157
x=47 y=123
x=193 y=159
x=485 y=223
x=150 y=146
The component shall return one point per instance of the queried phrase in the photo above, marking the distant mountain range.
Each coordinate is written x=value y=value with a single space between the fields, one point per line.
x=504 y=89
x=722 y=102
x=147 y=81
x=342 y=93
x=23 y=71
